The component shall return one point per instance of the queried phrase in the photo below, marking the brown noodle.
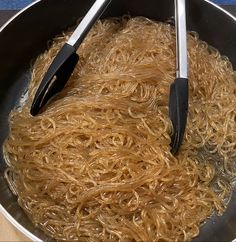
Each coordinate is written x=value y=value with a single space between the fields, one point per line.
x=96 y=164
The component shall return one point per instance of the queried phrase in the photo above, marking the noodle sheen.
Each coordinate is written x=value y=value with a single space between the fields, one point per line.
x=96 y=164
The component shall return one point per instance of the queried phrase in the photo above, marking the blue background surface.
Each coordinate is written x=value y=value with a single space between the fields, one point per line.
x=18 y=4
x=14 y=4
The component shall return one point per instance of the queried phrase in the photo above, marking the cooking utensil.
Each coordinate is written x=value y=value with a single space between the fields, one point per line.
x=65 y=61
x=21 y=42
x=178 y=100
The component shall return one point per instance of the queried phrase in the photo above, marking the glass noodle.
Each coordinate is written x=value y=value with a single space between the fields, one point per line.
x=95 y=165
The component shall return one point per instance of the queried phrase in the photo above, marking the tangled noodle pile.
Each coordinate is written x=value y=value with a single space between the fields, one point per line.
x=95 y=165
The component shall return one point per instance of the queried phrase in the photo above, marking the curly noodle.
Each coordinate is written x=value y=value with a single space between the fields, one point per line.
x=95 y=165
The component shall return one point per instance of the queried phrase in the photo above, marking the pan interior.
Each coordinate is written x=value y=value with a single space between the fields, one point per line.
x=28 y=35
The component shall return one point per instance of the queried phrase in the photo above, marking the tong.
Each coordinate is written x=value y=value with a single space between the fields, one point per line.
x=178 y=99
x=65 y=61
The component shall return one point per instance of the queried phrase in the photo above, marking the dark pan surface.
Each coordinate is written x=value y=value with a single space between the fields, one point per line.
x=28 y=35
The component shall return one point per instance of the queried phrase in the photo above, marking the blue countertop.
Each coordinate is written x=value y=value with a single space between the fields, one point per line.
x=18 y=4
x=224 y=1
x=14 y=4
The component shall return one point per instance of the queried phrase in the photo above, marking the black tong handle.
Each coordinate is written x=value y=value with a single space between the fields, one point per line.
x=56 y=77
x=178 y=111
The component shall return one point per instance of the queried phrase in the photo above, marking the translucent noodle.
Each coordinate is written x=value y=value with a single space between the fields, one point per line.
x=95 y=165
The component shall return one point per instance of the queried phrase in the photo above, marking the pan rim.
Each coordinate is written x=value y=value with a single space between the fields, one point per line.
x=18 y=226
x=19 y=13
x=221 y=9
x=3 y=211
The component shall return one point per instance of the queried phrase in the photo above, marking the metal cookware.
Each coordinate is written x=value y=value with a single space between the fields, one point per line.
x=26 y=36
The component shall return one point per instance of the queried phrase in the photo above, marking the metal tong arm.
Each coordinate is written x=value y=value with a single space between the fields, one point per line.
x=181 y=40
x=88 y=21
x=178 y=100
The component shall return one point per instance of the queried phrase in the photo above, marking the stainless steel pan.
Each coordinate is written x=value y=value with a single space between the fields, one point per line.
x=26 y=36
